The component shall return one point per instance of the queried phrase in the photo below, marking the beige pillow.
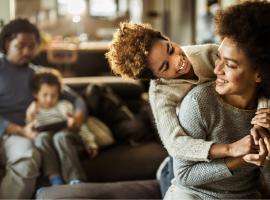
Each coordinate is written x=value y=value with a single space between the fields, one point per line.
x=103 y=135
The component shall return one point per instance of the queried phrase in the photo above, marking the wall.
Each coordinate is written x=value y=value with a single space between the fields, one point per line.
x=173 y=17
x=6 y=10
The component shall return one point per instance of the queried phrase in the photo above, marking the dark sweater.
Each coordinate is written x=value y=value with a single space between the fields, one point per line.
x=15 y=93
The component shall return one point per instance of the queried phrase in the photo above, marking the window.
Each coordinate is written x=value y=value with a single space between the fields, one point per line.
x=71 y=7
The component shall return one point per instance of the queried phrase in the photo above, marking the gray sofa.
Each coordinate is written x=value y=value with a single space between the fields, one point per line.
x=121 y=171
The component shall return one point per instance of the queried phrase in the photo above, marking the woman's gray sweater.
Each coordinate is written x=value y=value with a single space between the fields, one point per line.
x=204 y=115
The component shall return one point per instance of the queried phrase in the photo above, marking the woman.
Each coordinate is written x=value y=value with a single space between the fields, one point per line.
x=243 y=72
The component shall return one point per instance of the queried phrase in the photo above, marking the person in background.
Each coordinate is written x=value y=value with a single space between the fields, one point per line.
x=173 y=72
x=57 y=145
x=19 y=42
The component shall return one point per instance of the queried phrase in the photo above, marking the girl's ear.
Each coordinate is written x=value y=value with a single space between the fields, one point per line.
x=258 y=77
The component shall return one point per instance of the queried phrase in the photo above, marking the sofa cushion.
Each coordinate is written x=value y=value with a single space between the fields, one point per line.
x=125 y=162
x=147 y=189
x=102 y=133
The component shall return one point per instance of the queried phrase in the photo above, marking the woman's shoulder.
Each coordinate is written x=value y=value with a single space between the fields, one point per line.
x=201 y=100
x=202 y=96
x=202 y=91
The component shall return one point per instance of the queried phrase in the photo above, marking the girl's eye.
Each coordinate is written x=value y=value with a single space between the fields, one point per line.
x=166 y=68
x=171 y=51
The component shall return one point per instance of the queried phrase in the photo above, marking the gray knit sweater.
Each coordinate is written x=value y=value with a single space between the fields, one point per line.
x=165 y=95
x=203 y=115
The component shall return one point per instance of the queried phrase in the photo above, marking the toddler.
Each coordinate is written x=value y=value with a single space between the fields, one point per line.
x=55 y=141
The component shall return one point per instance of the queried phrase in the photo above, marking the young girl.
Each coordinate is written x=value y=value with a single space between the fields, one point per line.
x=48 y=109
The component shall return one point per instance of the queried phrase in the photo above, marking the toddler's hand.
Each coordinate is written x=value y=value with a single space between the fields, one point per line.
x=29 y=132
x=71 y=123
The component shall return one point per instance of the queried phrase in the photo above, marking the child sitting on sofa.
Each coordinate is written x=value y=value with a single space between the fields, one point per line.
x=53 y=119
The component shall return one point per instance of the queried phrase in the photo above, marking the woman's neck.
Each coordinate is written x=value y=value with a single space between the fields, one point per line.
x=242 y=102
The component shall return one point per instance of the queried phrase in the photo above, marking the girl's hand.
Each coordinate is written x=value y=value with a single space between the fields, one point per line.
x=242 y=147
x=262 y=118
x=258 y=159
x=258 y=132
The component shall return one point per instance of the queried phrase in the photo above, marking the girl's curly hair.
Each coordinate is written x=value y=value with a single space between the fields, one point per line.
x=129 y=49
x=248 y=25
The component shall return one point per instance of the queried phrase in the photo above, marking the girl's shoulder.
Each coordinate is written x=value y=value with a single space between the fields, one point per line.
x=200 y=49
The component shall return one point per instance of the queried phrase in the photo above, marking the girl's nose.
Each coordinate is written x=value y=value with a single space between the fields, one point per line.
x=219 y=67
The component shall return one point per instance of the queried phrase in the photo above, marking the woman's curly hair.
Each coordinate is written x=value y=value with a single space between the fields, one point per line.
x=248 y=25
x=129 y=49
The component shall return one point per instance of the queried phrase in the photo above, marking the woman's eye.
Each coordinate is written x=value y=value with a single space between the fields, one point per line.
x=230 y=66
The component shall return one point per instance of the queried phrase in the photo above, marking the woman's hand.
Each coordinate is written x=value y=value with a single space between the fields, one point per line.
x=258 y=159
x=262 y=118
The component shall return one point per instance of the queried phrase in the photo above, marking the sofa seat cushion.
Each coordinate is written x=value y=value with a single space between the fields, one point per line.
x=125 y=162
x=147 y=189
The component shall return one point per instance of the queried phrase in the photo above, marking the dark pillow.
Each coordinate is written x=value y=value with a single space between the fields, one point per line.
x=105 y=104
